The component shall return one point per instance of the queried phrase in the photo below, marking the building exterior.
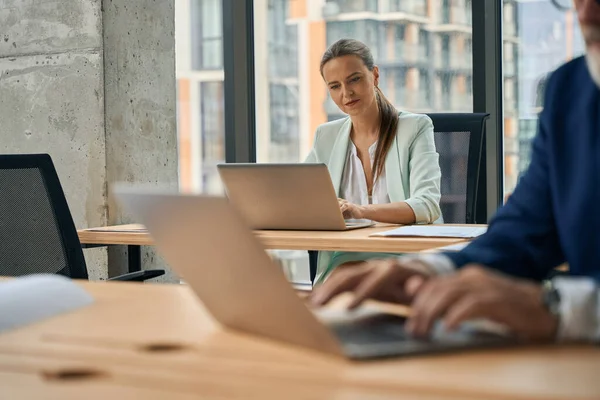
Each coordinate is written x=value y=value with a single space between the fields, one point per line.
x=423 y=49
x=548 y=37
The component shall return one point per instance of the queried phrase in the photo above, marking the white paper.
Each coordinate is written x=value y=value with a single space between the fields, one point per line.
x=36 y=297
x=450 y=231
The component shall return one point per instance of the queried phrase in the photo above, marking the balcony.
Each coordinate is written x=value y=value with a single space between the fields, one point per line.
x=459 y=16
x=335 y=7
x=414 y=7
x=451 y=60
x=462 y=61
x=452 y=19
x=409 y=54
x=441 y=60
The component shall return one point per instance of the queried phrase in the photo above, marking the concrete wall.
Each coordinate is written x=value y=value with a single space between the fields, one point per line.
x=60 y=80
x=140 y=95
x=52 y=99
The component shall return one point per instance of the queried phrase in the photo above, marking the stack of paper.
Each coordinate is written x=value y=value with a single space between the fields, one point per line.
x=33 y=298
x=446 y=231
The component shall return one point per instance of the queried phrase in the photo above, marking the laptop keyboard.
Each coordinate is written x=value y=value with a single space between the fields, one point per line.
x=375 y=329
x=358 y=222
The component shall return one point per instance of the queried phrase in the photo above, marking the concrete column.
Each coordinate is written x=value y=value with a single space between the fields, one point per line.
x=140 y=94
x=52 y=100
x=66 y=67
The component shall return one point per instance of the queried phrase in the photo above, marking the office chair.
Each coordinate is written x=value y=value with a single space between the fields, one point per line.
x=37 y=233
x=459 y=141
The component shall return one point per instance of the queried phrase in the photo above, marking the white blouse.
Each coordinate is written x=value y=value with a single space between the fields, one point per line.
x=354 y=183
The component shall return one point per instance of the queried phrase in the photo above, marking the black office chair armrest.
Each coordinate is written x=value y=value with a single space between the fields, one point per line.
x=139 y=276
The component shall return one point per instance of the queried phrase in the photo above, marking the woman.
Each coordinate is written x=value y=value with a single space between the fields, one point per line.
x=382 y=162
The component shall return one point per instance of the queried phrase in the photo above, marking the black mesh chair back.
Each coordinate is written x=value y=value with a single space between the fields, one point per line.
x=459 y=142
x=37 y=233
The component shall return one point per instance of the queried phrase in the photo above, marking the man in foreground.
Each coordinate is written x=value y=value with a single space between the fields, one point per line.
x=552 y=217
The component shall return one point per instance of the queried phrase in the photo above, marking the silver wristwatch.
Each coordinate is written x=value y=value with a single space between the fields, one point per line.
x=551 y=297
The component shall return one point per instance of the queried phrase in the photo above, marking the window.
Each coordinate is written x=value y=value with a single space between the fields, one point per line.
x=423 y=49
x=200 y=101
x=538 y=38
x=417 y=55
x=283 y=103
x=445 y=12
x=365 y=30
x=283 y=57
x=416 y=7
x=404 y=36
x=352 y=6
x=212 y=134
x=207 y=33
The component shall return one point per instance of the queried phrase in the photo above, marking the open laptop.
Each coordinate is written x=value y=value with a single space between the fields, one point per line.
x=205 y=240
x=286 y=196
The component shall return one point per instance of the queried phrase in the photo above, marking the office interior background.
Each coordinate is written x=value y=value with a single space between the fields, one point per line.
x=425 y=52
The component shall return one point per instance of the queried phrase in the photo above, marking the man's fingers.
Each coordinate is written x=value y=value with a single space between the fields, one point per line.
x=438 y=299
x=414 y=284
x=469 y=307
x=340 y=281
x=370 y=285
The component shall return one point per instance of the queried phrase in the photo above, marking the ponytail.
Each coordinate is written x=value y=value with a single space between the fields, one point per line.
x=387 y=131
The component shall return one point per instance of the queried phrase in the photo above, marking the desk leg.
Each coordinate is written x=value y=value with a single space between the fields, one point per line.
x=134 y=256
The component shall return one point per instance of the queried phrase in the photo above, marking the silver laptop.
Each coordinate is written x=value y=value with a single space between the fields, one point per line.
x=286 y=196
x=205 y=240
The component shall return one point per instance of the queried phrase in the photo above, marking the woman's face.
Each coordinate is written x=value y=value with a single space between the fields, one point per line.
x=351 y=84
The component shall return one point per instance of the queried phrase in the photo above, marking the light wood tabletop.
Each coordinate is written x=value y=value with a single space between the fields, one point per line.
x=158 y=342
x=352 y=240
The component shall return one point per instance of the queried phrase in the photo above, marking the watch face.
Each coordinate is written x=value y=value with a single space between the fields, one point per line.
x=551 y=297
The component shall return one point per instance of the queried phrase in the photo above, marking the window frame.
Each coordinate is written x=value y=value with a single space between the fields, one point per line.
x=487 y=81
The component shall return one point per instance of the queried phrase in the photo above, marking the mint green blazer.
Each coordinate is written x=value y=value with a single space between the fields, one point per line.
x=411 y=166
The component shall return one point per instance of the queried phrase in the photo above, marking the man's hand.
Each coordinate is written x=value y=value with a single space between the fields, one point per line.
x=350 y=210
x=475 y=292
x=382 y=280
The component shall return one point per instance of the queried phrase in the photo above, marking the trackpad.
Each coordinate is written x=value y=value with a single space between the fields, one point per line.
x=33 y=298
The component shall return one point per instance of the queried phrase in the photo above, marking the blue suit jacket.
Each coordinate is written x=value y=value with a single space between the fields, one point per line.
x=553 y=215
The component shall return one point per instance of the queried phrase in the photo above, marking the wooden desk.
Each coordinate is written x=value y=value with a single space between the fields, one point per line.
x=134 y=236
x=161 y=344
x=353 y=240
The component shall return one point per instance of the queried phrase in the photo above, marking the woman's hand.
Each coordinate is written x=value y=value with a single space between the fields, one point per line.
x=351 y=210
